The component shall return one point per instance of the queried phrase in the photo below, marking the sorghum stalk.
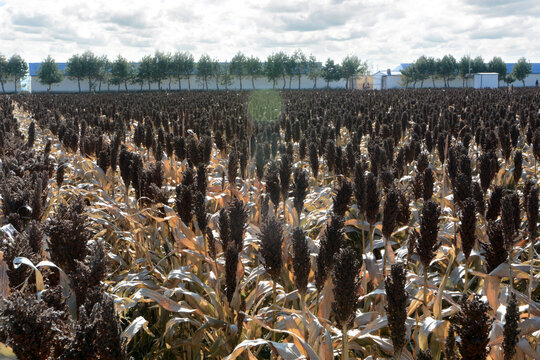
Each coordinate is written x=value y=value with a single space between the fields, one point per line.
x=532 y=219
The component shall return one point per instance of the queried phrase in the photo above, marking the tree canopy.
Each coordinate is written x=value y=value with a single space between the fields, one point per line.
x=205 y=69
x=4 y=73
x=49 y=73
x=521 y=70
x=274 y=68
x=16 y=68
x=253 y=69
x=352 y=66
x=121 y=71
x=238 y=66
x=331 y=72
x=497 y=65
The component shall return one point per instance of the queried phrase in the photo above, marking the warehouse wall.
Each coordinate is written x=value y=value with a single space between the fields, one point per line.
x=394 y=82
x=68 y=85
x=9 y=87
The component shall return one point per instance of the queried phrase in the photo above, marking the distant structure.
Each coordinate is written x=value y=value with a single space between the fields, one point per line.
x=391 y=79
x=261 y=82
x=382 y=79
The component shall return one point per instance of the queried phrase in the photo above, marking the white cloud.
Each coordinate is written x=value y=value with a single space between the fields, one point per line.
x=384 y=33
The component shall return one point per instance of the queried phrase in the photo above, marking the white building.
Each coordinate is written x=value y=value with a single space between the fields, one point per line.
x=391 y=79
x=486 y=80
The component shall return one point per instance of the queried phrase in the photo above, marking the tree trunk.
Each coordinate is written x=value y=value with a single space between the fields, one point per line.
x=328 y=84
x=315 y=83
x=189 y=83
x=284 y=82
x=169 y=84
x=422 y=84
x=3 y=90
x=141 y=85
x=125 y=85
x=79 y=83
x=252 y=82
x=523 y=81
x=433 y=81
x=217 y=84
x=99 y=86
x=108 y=86
x=49 y=89
x=290 y=82
x=179 y=83
x=206 y=83
x=119 y=86
x=149 y=84
x=89 y=85
x=240 y=78
x=15 y=84
x=299 y=77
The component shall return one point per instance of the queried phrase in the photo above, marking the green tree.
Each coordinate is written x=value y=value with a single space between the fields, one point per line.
x=189 y=68
x=497 y=65
x=121 y=72
x=301 y=65
x=409 y=75
x=447 y=69
x=205 y=69
x=422 y=69
x=16 y=68
x=91 y=67
x=478 y=65
x=289 y=67
x=351 y=66
x=274 y=68
x=217 y=72
x=137 y=78
x=431 y=66
x=227 y=78
x=75 y=70
x=509 y=78
x=145 y=70
x=465 y=68
x=160 y=67
x=331 y=72
x=4 y=74
x=521 y=70
x=104 y=70
x=49 y=73
x=253 y=69
x=182 y=65
x=313 y=69
x=238 y=66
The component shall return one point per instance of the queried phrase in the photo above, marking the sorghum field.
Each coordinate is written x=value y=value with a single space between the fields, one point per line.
x=295 y=224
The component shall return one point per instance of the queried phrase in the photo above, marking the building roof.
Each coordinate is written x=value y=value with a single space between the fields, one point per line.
x=33 y=68
x=385 y=73
x=509 y=67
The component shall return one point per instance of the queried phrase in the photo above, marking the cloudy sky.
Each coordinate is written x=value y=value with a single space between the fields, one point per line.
x=383 y=32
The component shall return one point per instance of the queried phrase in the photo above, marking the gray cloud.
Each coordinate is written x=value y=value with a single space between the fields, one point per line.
x=318 y=20
x=384 y=32
x=130 y=20
x=34 y=20
x=504 y=8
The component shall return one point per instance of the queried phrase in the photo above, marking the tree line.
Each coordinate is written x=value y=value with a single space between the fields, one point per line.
x=165 y=68
x=13 y=68
x=448 y=68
